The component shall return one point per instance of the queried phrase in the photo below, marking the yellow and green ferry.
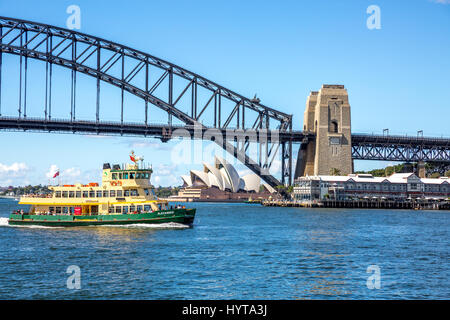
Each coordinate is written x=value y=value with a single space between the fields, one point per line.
x=125 y=196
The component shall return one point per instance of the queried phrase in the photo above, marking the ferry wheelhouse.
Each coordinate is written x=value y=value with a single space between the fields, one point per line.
x=125 y=196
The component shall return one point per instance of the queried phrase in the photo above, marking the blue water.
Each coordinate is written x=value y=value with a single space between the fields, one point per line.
x=235 y=251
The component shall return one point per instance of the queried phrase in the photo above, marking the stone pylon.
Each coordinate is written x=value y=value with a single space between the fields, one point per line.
x=328 y=115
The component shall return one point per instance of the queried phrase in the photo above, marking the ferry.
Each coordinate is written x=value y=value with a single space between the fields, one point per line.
x=124 y=197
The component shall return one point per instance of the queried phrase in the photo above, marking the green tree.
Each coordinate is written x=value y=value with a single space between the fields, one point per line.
x=435 y=175
x=389 y=171
x=335 y=172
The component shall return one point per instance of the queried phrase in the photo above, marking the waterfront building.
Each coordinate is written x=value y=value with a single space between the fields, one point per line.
x=399 y=186
x=221 y=181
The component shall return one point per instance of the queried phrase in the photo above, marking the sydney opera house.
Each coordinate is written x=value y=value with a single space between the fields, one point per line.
x=221 y=181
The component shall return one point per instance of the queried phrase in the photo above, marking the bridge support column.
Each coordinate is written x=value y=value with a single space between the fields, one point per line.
x=328 y=115
x=421 y=170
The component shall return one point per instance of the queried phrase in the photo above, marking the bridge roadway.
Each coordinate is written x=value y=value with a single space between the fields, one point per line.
x=364 y=146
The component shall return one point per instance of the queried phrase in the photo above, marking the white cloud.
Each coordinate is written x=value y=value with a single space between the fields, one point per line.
x=441 y=1
x=51 y=171
x=17 y=168
x=71 y=172
x=165 y=169
x=13 y=174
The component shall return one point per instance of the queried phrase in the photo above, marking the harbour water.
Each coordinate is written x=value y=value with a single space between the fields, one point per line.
x=234 y=251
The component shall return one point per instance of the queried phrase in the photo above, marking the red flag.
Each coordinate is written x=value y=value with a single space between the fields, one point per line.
x=132 y=159
x=56 y=174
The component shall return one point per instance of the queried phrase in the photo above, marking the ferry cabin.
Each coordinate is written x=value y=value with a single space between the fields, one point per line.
x=122 y=191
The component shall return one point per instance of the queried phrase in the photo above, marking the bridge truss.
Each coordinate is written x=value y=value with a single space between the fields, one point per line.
x=183 y=95
x=200 y=108
x=435 y=151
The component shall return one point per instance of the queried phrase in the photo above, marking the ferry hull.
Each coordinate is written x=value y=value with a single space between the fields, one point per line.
x=183 y=216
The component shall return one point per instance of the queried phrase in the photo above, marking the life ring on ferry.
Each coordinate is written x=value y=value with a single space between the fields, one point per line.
x=113 y=183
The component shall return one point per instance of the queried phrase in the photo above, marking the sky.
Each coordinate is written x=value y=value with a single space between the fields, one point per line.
x=397 y=76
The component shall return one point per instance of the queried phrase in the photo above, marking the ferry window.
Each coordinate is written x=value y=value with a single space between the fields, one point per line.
x=58 y=209
x=99 y=194
x=146 y=175
x=64 y=194
x=147 y=207
x=78 y=194
x=146 y=192
x=114 y=176
x=65 y=210
x=132 y=175
x=71 y=194
x=127 y=193
x=58 y=194
x=71 y=210
x=139 y=175
x=51 y=209
x=119 y=193
x=111 y=210
x=125 y=175
x=120 y=175
x=91 y=194
x=132 y=208
x=139 y=208
x=105 y=194
x=134 y=193
x=118 y=209
x=85 y=194
x=112 y=193
x=125 y=210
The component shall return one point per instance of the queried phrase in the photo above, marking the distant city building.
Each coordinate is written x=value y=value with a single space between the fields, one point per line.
x=221 y=181
x=399 y=186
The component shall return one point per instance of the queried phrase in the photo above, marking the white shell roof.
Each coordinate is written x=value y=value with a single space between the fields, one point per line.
x=251 y=182
x=225 y=178
x=213 y=171
x=187 y=179
x=230 y=173
x=203 y=176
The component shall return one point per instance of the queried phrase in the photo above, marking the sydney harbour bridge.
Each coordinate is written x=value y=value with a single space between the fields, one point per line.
x=192 y=104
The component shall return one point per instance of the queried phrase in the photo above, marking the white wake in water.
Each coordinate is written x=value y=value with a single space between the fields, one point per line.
x=4 y=223
x=168 y=225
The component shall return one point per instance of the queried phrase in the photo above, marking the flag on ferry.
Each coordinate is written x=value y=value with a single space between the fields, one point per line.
x=56 y=174
x=132 y=158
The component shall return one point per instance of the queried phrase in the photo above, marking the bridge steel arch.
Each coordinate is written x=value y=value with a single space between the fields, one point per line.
x=76 y=51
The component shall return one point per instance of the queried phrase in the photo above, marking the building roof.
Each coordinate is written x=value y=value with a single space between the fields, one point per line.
x=366 y=178
x=223 y=176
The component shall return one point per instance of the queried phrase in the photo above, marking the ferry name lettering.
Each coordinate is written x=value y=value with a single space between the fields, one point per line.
x=166 y=212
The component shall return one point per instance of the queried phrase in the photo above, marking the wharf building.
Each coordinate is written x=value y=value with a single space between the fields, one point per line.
x=398 y=186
